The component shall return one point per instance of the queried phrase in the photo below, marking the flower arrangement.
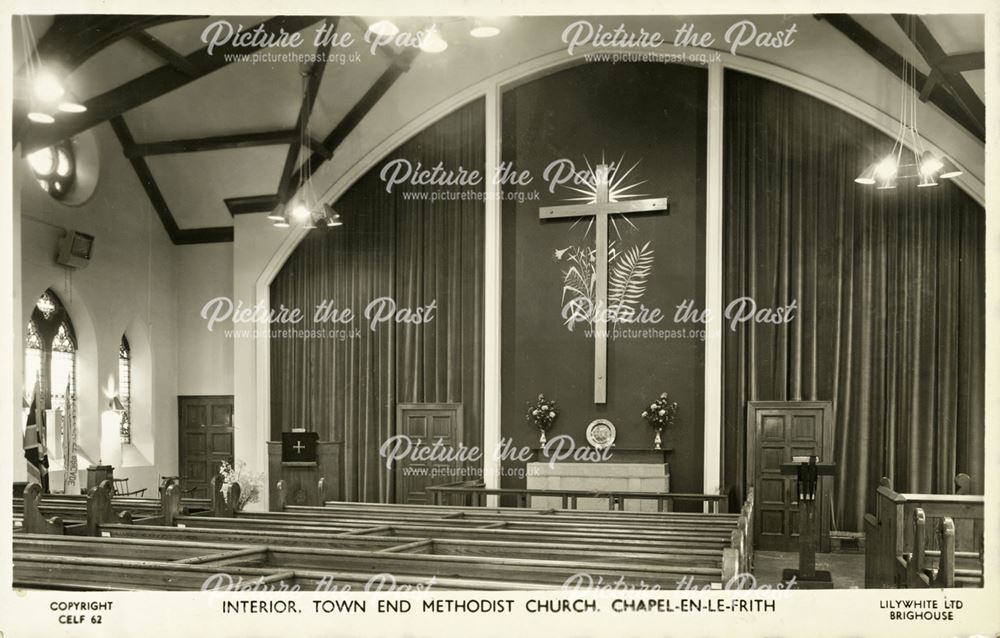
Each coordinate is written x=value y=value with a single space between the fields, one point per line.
x=250 y=484
x=661 y=413
x=542 y=413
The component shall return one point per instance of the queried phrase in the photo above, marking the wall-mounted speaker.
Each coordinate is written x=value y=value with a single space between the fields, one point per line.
x=75 y=249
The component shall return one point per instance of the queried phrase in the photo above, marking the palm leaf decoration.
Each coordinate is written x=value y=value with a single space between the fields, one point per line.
x=627 y=280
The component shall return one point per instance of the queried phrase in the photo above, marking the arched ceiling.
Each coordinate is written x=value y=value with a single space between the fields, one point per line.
x=210 y=137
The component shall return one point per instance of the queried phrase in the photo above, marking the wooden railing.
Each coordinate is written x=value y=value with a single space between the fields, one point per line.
x=924 y=540
x=474 y=493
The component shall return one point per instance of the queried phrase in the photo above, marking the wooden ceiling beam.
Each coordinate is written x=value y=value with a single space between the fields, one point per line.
x=929 y=84
x=213 y=143
x=314 y=78
x=888 y=58
x=178 y=236
x=400 y=65
x=145 y=176
x=251 y=204
x=150 y=86
x=963 y=62
x=921 y=37
x=165 y=53
x=73 y=39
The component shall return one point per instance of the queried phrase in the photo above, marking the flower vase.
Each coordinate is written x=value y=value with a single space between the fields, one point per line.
x=657 y=441
x=541 y=439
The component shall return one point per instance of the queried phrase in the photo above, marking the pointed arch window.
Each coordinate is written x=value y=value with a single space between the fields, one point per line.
x=50 y=354
x=33 y=350
x=125 y=388
x=63 y=367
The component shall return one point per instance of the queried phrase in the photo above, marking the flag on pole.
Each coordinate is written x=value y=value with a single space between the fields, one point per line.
x=69 y=442
x=34 y=443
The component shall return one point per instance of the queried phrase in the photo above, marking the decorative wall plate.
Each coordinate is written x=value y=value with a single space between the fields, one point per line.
x=601 y=433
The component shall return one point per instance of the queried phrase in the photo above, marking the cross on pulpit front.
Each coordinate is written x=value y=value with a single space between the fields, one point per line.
x=807 y=471
x=299 y=447
x=603 y=205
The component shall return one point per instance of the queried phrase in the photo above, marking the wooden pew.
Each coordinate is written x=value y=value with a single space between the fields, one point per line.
x=470 y=547
x=83 y=515
x=404 y=560
x=913 y=540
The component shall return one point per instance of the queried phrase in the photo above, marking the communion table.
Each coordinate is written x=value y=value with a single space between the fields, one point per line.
x=627 y=470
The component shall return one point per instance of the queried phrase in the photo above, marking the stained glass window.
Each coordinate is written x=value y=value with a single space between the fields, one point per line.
x=125 y=388
x=32 y=360
x=63 y=372
x=54 y=168
x=50 y=354
x=46 y=305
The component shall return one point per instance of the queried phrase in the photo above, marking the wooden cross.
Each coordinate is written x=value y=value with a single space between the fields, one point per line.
x=600 y=209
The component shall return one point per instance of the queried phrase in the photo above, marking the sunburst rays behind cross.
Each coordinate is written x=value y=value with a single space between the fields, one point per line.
x=617 y=191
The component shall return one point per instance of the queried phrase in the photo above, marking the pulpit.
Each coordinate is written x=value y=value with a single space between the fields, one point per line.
x=310 y=469
x=807 y=471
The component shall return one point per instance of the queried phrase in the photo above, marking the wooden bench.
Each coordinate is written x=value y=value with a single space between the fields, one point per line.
x=464 y=547
x=924 y=540
x=81 y=515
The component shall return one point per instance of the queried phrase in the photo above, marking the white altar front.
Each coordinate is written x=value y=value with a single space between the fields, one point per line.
x=627 y=470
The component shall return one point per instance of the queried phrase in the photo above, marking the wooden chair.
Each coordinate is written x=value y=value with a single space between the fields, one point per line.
x=121 y=488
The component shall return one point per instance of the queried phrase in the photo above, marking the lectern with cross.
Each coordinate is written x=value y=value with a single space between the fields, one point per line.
x=604 y=204
x=807 y=471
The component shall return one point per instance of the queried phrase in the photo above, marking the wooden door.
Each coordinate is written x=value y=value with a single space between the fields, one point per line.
x=777 y=431
x=206 y=439
x=427 y=423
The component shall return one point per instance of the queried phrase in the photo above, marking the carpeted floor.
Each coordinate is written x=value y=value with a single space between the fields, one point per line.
x=847 y=570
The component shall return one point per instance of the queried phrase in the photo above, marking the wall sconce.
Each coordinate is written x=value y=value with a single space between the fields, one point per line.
x=116 y=404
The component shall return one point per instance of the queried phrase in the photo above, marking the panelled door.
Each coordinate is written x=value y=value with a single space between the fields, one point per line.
x=426 y=423
x=777 y=431
x=206 y=439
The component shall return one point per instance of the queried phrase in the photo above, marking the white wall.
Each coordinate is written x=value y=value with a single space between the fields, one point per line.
x=204 y=358
x=138 y=284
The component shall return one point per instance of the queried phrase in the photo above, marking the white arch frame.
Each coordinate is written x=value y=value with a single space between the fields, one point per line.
x=492 y=89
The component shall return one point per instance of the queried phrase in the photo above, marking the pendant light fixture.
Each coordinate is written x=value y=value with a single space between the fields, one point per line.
x=45 y=92
x=304 y=209
x=908 y=159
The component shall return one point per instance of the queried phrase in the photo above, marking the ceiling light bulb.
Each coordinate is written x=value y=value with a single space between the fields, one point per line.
x=41 y=118
x=300 y=212
x=432 y=42
x=72 y=107
x=929 y=164
x=484 y=31
x=384 y=28
x=867 y=176
x=331 y=217
x=47 y=87
x=886 y=169
x=948 y=169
